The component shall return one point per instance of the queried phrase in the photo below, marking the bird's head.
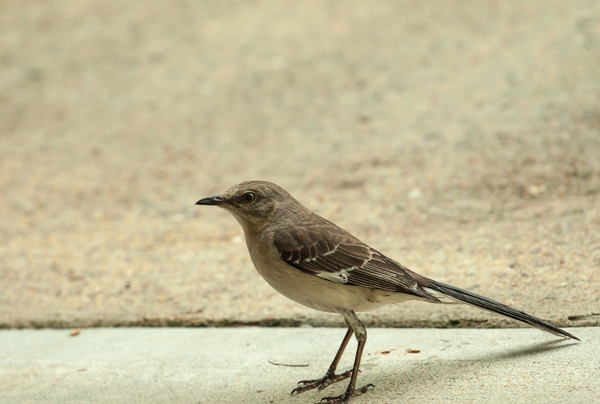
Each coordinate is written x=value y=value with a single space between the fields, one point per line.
x=253 y=203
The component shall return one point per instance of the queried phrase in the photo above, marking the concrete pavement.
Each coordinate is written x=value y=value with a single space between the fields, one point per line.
x=239 y=365
x=459 y=138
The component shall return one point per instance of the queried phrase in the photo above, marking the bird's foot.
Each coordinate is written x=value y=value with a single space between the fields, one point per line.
x=344 y=398
x=321 y=383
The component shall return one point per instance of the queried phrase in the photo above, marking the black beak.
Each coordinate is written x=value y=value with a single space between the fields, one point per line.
x=211 y=200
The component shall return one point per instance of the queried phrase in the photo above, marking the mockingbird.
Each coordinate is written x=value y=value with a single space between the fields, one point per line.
x=315 y=263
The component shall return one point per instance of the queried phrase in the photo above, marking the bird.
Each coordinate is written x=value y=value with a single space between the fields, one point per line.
x=312 y=261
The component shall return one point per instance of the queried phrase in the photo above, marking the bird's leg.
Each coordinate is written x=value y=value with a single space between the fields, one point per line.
x=361 y=336
x=330 y=377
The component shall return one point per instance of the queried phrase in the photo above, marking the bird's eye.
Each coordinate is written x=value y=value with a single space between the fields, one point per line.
x=248 y=197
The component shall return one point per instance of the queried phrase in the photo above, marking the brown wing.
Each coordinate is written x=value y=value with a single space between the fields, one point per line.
x=332 y=254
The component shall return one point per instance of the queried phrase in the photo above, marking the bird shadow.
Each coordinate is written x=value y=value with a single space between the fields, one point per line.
x=412 y=376
x=530 y=350
x=409 y=377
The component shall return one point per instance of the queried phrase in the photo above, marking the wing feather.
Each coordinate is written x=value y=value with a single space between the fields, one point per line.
x=338 y=257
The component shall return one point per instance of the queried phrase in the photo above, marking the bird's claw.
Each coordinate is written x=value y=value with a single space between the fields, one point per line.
x=344 y=398
x=321 y=383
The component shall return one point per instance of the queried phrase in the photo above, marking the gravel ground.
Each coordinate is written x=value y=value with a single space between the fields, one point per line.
x=460 y=138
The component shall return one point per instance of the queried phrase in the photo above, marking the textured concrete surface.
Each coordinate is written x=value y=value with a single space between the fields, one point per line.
x=247 y=366
x=460 y=138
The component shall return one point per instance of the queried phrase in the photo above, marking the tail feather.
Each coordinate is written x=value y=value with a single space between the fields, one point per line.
x=484 y=303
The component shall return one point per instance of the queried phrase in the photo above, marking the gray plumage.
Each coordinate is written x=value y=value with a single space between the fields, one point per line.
x=316 y=263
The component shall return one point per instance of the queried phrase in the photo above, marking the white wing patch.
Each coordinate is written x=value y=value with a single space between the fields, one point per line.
x=341 y=276
x=337 y=277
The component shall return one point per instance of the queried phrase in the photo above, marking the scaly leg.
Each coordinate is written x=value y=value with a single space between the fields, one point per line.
x=361 y=335
x=330 y=377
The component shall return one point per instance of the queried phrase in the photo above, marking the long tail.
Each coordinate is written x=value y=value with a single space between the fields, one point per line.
x=464 y=296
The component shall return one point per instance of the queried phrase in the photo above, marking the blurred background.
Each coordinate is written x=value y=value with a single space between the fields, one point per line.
x=460 y=138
